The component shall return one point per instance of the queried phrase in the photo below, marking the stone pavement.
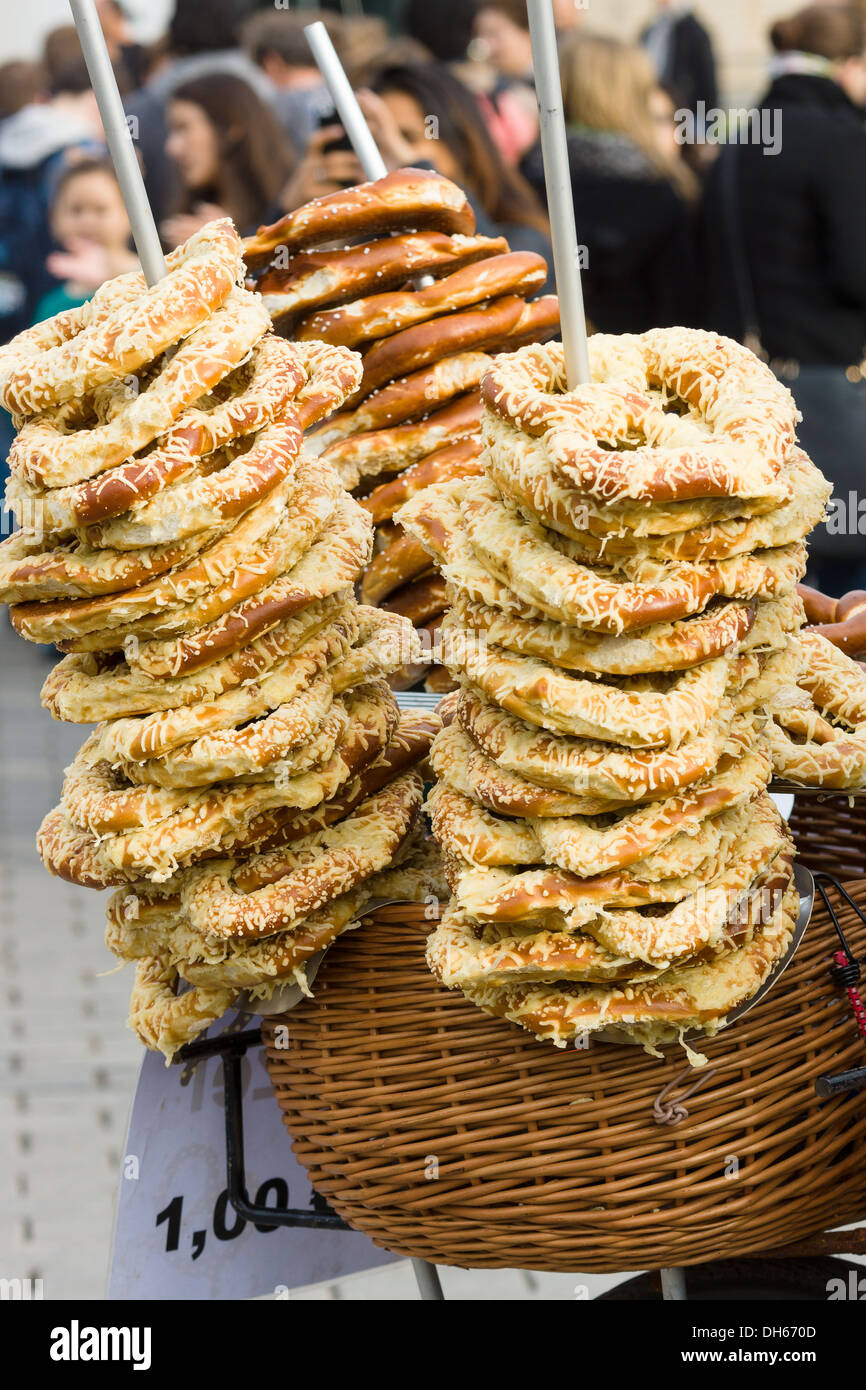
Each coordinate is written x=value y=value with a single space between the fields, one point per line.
x=68 y=1064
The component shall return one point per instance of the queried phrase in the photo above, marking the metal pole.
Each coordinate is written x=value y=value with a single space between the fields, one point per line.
x=557 y=178
x=119 y=139
x=674 y=1284
x=350 y=113
x=427 y=1276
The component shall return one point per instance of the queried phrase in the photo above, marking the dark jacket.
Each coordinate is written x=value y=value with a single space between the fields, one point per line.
x=799 y=219
x=690 y=68
x=638 y=259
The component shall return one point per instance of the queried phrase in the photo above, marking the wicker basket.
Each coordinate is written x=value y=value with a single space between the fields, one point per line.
x=830 y=834
x=446 y=1134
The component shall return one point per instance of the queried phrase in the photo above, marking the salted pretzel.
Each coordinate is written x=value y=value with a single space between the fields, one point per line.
x=380 y=315
x=591 y=768
x=77 y=351
x=420 y=601
x=502 y=324
x=842 y=621
x=399 y=563
x=83 y=464
x=85 y=688
x=407 y=198
x=269 y=892
x=315 y=279
x=644 y=712
x=460 y=460
x=658 y=1011
x=384 y=451
x=817 y=728
x=737 y=427
x=407 y=400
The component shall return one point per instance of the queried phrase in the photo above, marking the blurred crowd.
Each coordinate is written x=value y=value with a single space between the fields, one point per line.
x=750 y=222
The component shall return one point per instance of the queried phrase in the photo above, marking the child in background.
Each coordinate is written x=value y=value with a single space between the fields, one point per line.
x=90 y=225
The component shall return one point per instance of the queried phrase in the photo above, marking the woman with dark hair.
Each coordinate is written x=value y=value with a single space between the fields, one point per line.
x=423 y=114
x=784 y=236
x=232 y=154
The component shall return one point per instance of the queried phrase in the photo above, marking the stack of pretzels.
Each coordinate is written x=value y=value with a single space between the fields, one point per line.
x=250 y=774
x=622 y=582
x=426 y=302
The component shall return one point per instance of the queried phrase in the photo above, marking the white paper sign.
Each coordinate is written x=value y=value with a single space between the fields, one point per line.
x=176 y=1235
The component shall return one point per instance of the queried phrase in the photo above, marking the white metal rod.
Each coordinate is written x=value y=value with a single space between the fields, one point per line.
x=557 y=178
x=120 y=144
x=350 y=113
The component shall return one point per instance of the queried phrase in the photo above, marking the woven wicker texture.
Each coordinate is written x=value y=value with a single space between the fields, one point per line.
x=830 y=834
x=552 y=1159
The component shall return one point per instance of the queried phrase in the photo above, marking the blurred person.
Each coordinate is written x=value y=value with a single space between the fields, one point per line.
x=233 y=157
x=502 y=26
x=784 y=250
x=276 y=43
x=681 y=51
x=90 y=225
x=21 y=84
x=632 y=193
x=203 y=40
x=399 y=110
x=445 y=28
x=36 y=143
x=507 y=102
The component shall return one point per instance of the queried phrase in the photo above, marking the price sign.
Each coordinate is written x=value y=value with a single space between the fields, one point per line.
x=177 y=1235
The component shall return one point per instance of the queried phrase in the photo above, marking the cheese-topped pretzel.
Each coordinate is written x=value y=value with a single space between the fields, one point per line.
x=380 y=315
x=152 y=830
x=212 y=496
x=65 y=619
x=315 y=279
x=270 y=892
x=640 y=712
x=462 y=765
x=728 y=436
x=405 y=199
x=658 y=1011
x=520 y=465
x=788 y=523
x=83 y=689
x=817 y=727
x=592 y=768
x=722 y=627
x=842 y=621
x=72 y=354
x=89 y=467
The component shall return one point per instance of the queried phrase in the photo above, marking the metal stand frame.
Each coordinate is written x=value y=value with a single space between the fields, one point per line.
x=230 y=1048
